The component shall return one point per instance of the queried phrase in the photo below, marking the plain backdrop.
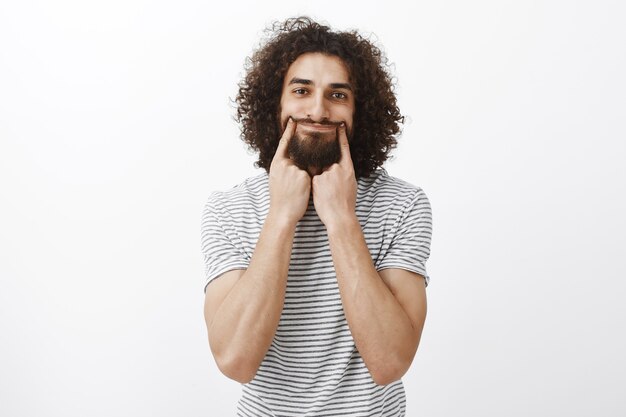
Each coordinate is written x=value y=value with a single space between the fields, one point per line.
x=116 y=122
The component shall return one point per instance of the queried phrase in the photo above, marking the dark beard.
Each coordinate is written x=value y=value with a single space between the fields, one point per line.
x=315 y=151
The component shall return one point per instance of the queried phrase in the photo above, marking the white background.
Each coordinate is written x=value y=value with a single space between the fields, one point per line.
x=116 y=123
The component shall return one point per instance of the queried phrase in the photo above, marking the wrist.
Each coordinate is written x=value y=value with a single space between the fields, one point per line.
x=343 y=225
x=280 y=222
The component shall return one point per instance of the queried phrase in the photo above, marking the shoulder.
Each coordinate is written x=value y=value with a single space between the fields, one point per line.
x=253 y=189
x=384 y=188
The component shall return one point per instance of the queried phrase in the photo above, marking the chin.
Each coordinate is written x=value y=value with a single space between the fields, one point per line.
x=313 y=171
x=312 y=153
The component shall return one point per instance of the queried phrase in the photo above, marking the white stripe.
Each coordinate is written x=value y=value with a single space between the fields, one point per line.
x=312 y=367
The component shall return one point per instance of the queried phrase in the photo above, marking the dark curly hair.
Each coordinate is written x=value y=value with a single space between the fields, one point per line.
x=377 y=118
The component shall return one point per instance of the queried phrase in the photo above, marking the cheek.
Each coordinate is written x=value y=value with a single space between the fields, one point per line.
x=283 y=116
x=350 y=124
x=347 y=113
x=348 y=117
x=286 y=110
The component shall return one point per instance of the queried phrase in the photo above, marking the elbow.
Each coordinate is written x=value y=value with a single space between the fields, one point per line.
x=236 y=367
x=387 y=375
x=392 y=366
x=389 y=370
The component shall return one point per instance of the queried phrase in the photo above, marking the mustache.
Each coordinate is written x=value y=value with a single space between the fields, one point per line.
x=322 y=122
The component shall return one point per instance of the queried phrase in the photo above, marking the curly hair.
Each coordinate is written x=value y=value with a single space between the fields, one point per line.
x=377 y=118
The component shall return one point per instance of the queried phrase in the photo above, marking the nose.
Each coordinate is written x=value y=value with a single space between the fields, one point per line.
x=318 y=109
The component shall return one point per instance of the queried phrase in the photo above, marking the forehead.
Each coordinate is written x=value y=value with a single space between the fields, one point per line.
x=319 y=68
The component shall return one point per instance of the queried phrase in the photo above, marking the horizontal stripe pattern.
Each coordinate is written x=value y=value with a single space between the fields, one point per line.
x=312 y=367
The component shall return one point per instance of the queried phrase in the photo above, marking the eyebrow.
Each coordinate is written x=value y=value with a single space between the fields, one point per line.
x=296 y=80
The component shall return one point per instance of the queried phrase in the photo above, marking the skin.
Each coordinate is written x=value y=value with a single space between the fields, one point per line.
x=317 y=88
x=385 y=310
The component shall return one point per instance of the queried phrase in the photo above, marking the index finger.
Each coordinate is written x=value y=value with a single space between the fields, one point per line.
x=344 y=145
x=281 y=150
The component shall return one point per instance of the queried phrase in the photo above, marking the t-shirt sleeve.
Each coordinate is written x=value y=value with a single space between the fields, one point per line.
x=219 y=250
x=410 y=238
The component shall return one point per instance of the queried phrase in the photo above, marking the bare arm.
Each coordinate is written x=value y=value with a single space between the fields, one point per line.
x=243 y=308
x=386 y=311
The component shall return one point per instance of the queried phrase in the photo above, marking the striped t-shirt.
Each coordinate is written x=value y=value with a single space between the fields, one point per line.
x=312 y=367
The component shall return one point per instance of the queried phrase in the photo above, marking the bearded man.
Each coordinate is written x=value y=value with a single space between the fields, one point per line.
x=315 y=269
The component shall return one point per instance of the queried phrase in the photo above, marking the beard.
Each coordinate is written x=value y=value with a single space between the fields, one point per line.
x=314 y=151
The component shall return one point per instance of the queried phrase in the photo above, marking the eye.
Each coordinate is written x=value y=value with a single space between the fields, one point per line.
x=300 y=91
x=339 y=95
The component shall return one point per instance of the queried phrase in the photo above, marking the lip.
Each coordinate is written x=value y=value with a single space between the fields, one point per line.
x=311 y=126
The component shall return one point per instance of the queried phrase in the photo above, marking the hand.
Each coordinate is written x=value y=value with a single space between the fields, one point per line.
x=334 y=190
x=290 y=187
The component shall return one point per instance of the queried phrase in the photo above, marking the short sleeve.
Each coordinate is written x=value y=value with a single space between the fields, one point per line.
x=218 y=247
x=410 y=241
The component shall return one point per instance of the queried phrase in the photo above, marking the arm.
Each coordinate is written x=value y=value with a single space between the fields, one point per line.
x=243 y=308
x=386 y=310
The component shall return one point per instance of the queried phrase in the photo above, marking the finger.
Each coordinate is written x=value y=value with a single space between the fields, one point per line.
x=344 y=145
x=281 y=150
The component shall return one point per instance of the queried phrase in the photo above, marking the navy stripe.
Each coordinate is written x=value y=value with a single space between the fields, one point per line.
x=312 y=367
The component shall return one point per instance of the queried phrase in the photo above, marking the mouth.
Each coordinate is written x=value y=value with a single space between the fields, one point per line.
x=318 y=126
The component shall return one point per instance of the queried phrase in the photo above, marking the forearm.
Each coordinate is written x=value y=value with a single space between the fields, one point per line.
x=382 y=331
x=243 y=326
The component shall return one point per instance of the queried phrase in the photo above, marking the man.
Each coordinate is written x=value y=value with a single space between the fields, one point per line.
x=315 y=296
